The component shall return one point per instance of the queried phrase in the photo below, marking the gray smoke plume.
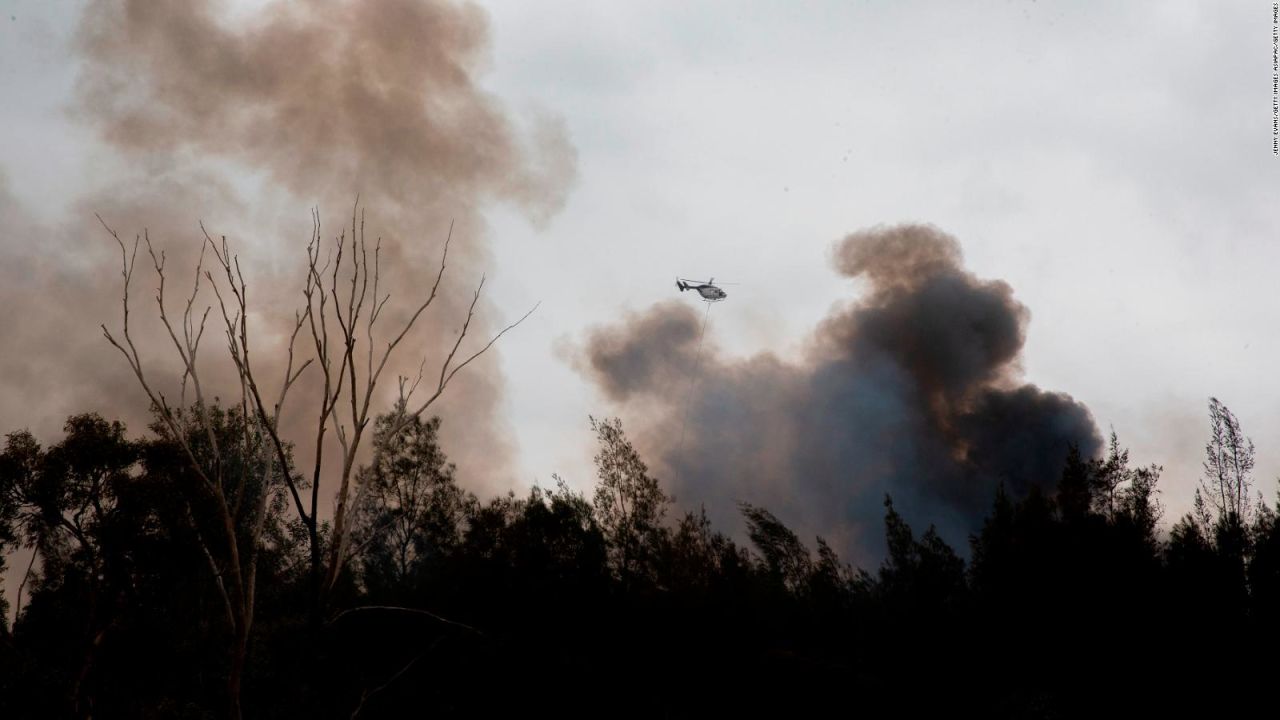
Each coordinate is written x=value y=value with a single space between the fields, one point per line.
x=246 y=120
x=912 y=390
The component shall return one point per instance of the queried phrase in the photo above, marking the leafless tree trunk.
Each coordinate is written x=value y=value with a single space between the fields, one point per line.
x=355 y=306
x=342 y=304
x=26 y=576
x=232 y=558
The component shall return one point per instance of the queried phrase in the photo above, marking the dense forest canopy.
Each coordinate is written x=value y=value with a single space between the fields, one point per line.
x=191 y=571
x=570 y=603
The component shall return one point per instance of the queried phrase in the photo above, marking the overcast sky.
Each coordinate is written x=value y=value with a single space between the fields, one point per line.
x=1112 y=162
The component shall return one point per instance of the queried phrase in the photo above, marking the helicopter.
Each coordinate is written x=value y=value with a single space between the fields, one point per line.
x=708 y=290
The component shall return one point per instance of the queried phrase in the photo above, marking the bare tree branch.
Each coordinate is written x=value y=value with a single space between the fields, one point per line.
x=343 y=303
x=364 y=609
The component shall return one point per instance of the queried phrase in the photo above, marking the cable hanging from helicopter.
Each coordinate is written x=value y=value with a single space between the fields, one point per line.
x=710 y=293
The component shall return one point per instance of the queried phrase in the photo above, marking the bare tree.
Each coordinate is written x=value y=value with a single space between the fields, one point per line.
x=340 y=317
x=342 y=304
x=219 y=487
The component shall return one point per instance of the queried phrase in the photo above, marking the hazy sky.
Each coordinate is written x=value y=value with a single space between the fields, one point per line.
x=1112 y=162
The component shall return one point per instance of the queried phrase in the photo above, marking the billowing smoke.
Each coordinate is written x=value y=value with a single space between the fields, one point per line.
x=911 y=390
x=322 y=96
x=246 y=118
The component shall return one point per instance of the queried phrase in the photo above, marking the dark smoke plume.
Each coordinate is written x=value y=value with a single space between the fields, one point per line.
x=912 y=390
x=246 y=120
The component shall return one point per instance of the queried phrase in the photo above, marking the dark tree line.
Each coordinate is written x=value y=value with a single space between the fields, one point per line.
x=1071 y=602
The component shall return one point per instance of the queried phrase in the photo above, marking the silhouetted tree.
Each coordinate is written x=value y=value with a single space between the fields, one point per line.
x=228 y=485
x=65 y=500
x=629 y=504
x=19 y=469
x=342 y=304
x=1229 y=459
x=1077 y=486
x=409 y=509
x=925 y=570
x=1139 y=505
x=1070 y=605
x=786 y=560
x=834 y=585
x=1264 y=567
x=693 y=554
x=1124 y=497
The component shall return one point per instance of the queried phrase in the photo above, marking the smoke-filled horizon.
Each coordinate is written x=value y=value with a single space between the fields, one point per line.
x=913 y=390
x=586 y=156
x=303 y=106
